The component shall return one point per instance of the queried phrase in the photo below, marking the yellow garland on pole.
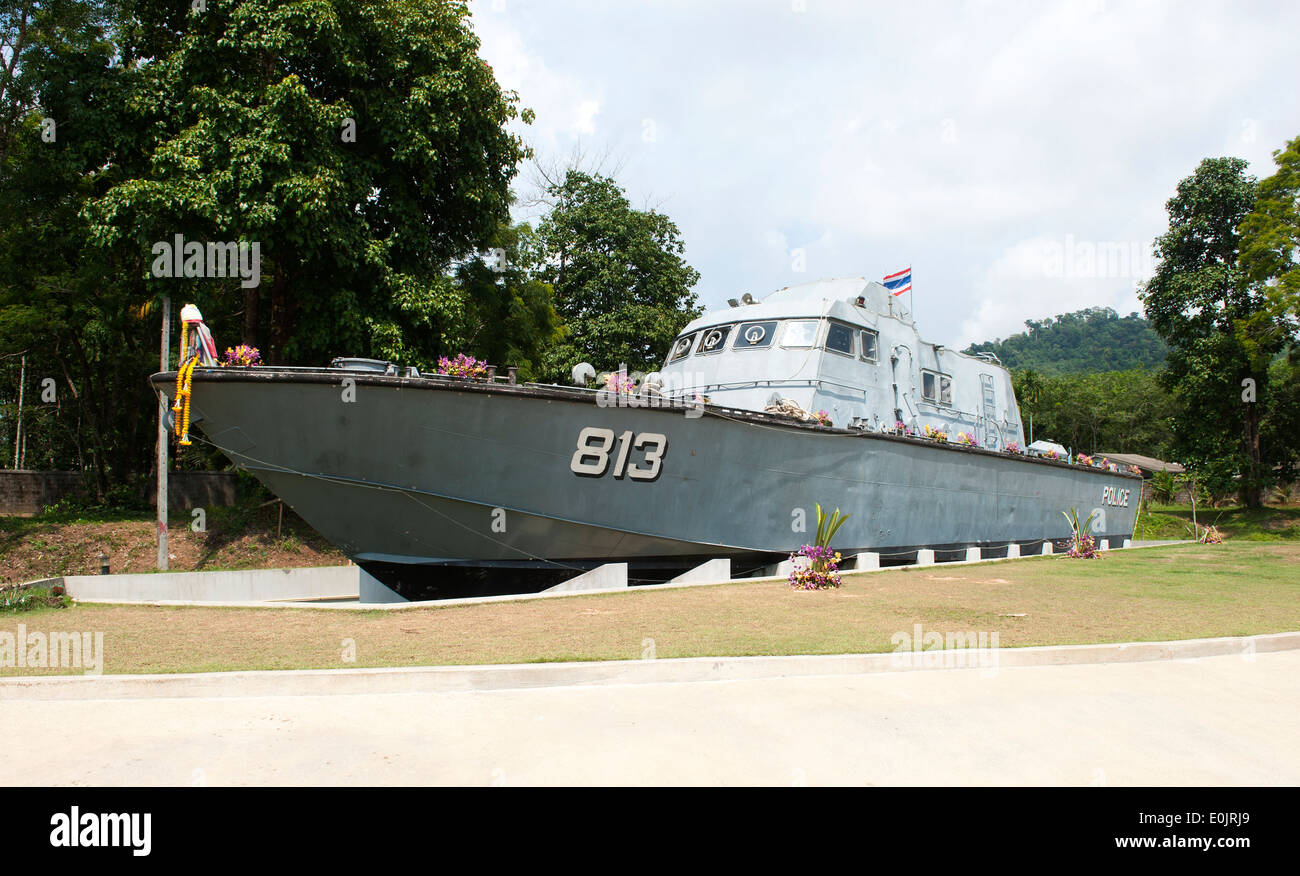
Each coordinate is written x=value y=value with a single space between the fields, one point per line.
x=180 y=375
x=187 y=375
x=185 y=368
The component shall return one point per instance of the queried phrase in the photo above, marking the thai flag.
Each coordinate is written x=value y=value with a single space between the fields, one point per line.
x=900 y=282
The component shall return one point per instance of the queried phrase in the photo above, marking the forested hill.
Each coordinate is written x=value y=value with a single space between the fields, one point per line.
x=1096 y=339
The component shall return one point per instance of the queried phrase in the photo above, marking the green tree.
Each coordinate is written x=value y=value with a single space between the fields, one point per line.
x=621 y=283
x=1107 y=411
x=61 y=300
x=1280 y=428
x=1029 y=392
x=1085 y=340
x=1208 y=310
x=230 y=122
x=508 y=316
x=1270 y=235
x=361 y=144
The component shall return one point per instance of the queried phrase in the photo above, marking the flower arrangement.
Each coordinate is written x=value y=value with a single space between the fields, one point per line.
x=1084 y=459
x=1013 y=447
x=1210 y=535
x=1053 y=454
x=821 y=418
x=967 y=439
x=819 y=570
x=618 y=381
x=1135 y=470
x=462 y=366
x=901 y=428
x=1083 y=547
x=934 y=434
x=243 y=355
x=816 y=565
x=1082 y=544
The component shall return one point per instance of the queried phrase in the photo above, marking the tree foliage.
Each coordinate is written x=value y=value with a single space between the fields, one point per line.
x=1110 y=411
x=360 y=144
x=621 y=282
x=1215 y=319
x=1094 y=339
x=230 y=122
x=1270 y=235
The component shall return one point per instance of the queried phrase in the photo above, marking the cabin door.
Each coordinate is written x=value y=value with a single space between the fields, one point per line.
x=992 y=437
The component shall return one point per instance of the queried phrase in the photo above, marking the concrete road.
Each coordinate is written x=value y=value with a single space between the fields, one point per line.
x=1211 y=721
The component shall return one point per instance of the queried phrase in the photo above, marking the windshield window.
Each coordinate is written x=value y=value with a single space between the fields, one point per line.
x=681 y=347
x=714 y=339
x=839 y=338
x=755 y=334
x=799 y=334
x=869 y=341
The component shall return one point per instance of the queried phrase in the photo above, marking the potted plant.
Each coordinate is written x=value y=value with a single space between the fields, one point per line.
x=816 y=565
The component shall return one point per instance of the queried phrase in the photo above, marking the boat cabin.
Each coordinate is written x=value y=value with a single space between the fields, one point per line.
x=846 y=347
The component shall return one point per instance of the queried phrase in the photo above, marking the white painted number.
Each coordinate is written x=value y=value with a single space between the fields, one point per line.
x=654 y=445
x=585 y=451
x=591 y=458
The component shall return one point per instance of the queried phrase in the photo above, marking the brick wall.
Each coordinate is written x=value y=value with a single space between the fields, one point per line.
x=196 y=489
x=24 y=493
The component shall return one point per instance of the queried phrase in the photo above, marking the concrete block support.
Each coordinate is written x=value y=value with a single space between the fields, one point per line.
x=711 y=570
x=250 y=585
x=925 y=557
x=862 y=562
x=973 y=553
x=1047 y=548
x=606 y=577
x=373 y=591
x=1013 y=551
x=785 y=567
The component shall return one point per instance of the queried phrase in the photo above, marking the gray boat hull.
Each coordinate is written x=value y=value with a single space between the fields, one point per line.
x=401 y=471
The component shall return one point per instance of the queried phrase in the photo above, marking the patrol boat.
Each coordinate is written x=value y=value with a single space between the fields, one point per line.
x=819 y=394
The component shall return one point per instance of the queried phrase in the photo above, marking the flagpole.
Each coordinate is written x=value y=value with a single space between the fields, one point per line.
x=911 y=311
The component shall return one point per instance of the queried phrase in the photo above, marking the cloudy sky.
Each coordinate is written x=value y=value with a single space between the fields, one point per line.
x=1018 y=155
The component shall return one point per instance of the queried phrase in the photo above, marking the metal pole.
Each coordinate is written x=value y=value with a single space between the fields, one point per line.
x=163 y=437
x=18 y=436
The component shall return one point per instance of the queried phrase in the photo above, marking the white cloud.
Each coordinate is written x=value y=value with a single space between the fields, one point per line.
x=566 y=105
x=959 y=137
x=1047 y=276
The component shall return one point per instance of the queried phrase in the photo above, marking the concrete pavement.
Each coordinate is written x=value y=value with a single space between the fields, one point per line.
x=1220 y=720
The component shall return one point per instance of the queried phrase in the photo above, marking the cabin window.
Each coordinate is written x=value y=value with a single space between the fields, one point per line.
x=801 y=333
x=714 y=339
x=681 y=347
x=751 y=335
x=936 y=388
x=839 y=338
x=870 y=341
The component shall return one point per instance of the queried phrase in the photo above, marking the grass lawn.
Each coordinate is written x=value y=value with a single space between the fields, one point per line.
x=1177 y=592
x=1269 y=523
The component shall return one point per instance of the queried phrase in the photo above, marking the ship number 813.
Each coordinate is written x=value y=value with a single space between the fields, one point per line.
x=595 y=447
